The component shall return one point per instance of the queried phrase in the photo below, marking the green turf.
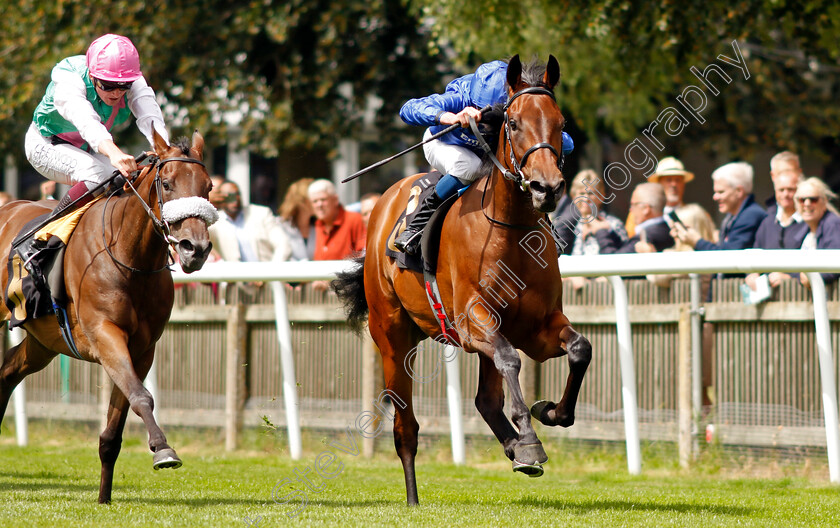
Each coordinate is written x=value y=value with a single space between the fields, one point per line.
x=55 y=482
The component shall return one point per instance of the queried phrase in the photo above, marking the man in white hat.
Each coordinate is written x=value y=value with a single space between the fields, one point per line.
x=672 y=176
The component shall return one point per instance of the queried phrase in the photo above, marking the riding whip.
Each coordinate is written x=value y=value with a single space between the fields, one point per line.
x=406 y=151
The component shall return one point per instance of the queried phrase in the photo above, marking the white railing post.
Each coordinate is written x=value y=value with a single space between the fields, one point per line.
x=151 y=383
x=453 y=396
x=696 y=353
x=287 y=363
x=19 y=395
x=628 y=375
x=829 y=386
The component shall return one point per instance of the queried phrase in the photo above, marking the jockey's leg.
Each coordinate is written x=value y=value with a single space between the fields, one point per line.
x=460 y=166
x=409 y=240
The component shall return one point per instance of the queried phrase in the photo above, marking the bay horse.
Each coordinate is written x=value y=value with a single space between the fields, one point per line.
x=497 y=274
x=119 y=288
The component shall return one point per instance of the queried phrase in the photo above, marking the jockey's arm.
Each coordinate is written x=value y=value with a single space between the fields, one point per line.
x=123 y=162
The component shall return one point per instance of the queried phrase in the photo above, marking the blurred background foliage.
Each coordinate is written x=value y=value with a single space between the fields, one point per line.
x=301 y=71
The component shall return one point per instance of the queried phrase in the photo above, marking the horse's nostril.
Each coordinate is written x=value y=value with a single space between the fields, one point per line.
x=186 y=246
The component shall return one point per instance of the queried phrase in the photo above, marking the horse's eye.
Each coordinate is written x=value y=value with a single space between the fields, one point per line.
x=166 y=185
x=513 y=124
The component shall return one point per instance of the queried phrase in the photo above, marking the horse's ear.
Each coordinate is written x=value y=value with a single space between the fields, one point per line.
x=514 y=71
x=552 y=72
x=158 y=142
x=197 y=147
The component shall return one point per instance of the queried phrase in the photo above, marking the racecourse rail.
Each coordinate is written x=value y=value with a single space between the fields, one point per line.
x=811 y=262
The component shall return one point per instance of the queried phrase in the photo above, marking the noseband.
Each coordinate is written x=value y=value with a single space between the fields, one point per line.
x=161 y=224
x=518 y=165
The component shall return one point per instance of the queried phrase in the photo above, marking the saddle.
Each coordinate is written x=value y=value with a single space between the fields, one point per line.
x=425 y=261
x=27 y=300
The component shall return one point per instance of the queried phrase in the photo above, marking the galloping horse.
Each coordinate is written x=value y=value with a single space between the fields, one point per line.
x=497 y=274
x=119 y=289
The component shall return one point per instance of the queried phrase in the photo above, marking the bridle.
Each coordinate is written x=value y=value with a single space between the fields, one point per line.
x=160 y=224
x=516 y=176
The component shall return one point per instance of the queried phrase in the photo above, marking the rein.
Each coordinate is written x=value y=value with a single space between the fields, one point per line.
x=516 y=176
x=160 y=224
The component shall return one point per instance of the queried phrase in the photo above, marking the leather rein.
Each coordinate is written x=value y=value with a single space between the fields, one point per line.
x=160 y=224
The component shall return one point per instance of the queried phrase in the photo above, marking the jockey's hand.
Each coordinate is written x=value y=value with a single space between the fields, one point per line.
x=123 y=162
x=462 y=118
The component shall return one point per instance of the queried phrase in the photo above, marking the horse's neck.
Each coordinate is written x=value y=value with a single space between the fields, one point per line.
x=137 y=231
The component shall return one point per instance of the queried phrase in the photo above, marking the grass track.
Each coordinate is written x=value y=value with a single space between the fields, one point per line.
x=55 y=483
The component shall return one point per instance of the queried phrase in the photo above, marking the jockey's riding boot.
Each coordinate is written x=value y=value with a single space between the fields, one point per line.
x=409 y=240
x=30 y=247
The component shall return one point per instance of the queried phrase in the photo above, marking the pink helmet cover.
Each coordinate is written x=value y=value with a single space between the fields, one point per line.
x=113 y=58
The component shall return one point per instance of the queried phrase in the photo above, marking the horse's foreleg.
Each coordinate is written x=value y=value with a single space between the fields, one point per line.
x=110 y=442
x=528 y=452
x=490 y=401
x=394 y=347
x=20 y=361
x=580 y=354
x=113 y=355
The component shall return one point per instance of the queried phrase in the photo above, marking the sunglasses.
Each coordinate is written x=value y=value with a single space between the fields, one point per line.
x=803 y=199
x=107 y=86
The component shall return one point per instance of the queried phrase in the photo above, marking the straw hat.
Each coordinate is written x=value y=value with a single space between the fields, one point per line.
x=670 y=166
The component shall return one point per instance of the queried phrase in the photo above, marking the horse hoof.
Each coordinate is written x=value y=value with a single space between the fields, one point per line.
x=540 y=411
x=531 y=452
x=166 y=458
x=532 y=470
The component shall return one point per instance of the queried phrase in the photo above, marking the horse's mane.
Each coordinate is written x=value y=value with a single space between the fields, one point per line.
x=183 y=144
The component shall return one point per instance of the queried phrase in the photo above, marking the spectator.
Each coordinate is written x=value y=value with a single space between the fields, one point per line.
x=733 y=193
x=338 y=233
x=247 y=234
x=587 y=204
x=368 y=201
x=783 y=227
x=783 y=162
x=646 y=203
x=298 y=220
x=812 y=203
x=672 y=176
x=695 y=217
x=216 y=198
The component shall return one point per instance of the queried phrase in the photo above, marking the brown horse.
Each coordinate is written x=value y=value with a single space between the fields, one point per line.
x=120 y=295
x=497 y=274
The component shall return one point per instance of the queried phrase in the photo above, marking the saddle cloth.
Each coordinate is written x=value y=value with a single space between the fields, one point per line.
x=23 y=298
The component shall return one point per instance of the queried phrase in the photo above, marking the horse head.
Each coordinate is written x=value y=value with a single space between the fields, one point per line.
x=534 y=132
x=182 y=185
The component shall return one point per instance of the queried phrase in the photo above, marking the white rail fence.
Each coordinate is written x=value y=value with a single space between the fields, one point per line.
x=613 y=266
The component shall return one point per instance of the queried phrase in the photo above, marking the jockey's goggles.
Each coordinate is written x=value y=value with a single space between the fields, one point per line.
x=108 y=86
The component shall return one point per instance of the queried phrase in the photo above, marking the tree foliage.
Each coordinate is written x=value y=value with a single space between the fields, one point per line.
x=624 y=61
x=299 y=71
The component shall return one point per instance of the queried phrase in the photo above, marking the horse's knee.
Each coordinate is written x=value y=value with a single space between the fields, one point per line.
x=109 y=447
x=580 y=353
x=141 y=401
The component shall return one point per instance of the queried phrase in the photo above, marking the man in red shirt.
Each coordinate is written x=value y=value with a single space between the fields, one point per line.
x=338 y=233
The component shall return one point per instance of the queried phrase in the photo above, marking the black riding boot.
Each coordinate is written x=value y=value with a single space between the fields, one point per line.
x=409 y=240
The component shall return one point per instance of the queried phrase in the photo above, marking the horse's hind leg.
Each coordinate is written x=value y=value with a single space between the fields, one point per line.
x=580 y=354
x=26 y=358
x=394 y=347
x=110 y=442
x=115 y=359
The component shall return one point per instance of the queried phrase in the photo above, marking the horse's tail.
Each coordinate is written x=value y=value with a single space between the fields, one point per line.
x=350 y=288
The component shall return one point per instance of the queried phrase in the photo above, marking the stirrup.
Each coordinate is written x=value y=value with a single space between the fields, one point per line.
x=409 y=242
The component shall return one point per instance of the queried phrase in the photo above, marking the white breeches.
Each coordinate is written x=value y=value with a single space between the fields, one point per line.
x=460 y=162
x=65 y=163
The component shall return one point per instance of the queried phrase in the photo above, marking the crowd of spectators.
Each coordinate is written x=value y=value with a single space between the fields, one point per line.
x=799 y=215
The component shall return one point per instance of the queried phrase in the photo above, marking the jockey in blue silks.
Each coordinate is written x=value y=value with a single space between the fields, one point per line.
x=457 y=155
